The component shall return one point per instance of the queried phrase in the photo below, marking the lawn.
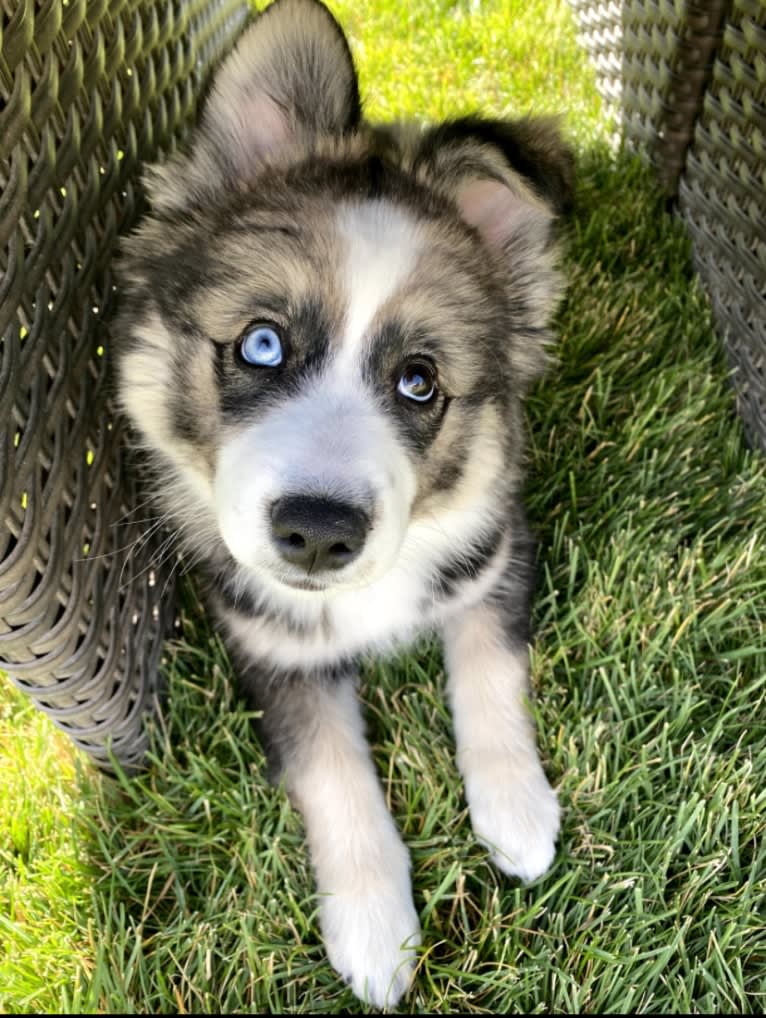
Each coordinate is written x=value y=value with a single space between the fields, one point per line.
x=189 y=889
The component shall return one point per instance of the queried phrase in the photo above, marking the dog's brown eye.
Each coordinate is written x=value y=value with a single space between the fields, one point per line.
x=418 y=382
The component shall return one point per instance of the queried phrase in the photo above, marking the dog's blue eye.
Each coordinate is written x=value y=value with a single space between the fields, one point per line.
x=261 y=346
x=418 y=382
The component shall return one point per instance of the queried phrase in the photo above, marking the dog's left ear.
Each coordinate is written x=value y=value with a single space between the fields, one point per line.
x=290 y=80
x=508 y=178
x=510 y=181
x=531 y=148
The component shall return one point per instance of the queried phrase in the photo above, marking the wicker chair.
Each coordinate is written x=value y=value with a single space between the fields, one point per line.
x=687 y=82
x=89 y=90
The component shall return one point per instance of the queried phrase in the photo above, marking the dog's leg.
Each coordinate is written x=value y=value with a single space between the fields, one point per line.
x=314 y=734
x=514 y=810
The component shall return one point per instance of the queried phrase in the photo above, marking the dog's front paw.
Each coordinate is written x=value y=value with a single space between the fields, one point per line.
x=371 y=937
x=515 y=815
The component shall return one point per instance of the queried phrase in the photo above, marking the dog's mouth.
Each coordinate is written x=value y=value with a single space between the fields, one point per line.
x=303 y=583
x=326 y=582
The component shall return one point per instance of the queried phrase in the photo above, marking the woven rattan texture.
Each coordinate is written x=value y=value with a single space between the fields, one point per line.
x=653 y=60
x=723 y=199
x=89 y=89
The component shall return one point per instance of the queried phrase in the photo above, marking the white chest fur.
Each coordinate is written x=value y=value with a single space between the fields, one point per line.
x=318 y=630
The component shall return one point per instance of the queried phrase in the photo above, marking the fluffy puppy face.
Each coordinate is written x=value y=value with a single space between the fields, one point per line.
x=329 y=327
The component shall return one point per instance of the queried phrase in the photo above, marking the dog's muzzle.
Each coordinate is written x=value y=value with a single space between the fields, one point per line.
x=318 y=534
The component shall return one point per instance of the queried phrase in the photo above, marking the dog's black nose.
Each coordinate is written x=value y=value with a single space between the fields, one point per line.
x=318 y=533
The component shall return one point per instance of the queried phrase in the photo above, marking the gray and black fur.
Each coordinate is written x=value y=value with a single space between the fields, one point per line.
x=327 y=331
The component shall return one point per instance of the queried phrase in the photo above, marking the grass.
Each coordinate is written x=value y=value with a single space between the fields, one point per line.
x=189 y=889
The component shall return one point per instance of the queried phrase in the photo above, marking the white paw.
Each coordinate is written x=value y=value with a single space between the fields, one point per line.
x=516 y=815
x=371 y=938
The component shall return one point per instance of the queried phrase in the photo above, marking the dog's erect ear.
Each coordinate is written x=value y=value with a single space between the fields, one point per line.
x=532 y=147
x=510 y=180
x=289 y=80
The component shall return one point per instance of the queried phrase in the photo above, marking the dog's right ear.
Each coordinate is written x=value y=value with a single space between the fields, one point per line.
x=290 y=80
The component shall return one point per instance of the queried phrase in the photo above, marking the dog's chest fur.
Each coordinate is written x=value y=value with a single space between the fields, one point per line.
x=390 y=613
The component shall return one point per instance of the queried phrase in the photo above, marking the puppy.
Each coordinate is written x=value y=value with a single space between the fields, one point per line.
x=326 y=332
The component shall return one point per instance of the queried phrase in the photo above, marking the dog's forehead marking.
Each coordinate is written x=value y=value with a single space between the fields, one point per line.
x=380 y=246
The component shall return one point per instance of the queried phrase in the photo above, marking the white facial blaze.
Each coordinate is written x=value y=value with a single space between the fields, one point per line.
x=381 y=245
x=331 y=440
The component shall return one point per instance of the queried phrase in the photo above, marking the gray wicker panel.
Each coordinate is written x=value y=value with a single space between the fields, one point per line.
x=723 y=200
x=88 y=91
x=652 y=60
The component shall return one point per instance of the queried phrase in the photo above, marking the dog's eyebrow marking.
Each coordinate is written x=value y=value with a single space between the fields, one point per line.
x=382 y=245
